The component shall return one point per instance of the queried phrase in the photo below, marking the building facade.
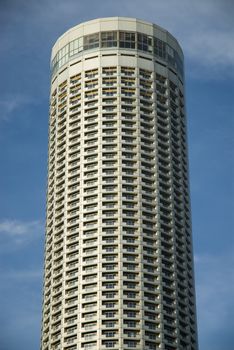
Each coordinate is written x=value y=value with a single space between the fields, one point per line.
x=118 y=258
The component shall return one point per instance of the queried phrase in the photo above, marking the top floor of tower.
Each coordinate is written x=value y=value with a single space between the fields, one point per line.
x=118 y=33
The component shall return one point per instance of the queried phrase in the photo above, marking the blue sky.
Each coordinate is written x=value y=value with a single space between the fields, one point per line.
x=28 y=30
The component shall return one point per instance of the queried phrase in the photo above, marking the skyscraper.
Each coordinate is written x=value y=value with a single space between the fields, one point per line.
x=118 y=258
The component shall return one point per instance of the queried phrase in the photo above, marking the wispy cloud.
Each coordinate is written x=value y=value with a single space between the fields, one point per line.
x=19 y=228
x=9 y=104
x=204 y=28
x=15 y=234
x=211 y=47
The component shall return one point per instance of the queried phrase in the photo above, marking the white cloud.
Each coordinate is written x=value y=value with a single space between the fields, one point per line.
x=19 y=228
x=14 y=234
x=9 y=104
x=204 y=28
x=212 y=47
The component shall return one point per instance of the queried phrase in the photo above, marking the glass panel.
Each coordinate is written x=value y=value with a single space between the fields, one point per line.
x=55 y=64
x=170 y=56
x=91 y=41
x=170 y=51
x=179 y=64
x=144 y=42
x=159 y=48
x=73 y=47
x=109 y=39
x=76 y=46
x=127 y=40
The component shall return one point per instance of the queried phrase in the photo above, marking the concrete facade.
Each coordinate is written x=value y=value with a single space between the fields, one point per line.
x=118 y=257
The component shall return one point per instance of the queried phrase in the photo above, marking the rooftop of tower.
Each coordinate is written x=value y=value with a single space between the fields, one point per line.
x=115 y=23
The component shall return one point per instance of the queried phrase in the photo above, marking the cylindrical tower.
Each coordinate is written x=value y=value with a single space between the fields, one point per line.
x=118 y=257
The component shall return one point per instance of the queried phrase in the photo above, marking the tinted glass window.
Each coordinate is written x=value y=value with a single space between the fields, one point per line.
x=109 y=39
x=144 y=42
x=127 y=39
x=91 y=41
x=159 y=48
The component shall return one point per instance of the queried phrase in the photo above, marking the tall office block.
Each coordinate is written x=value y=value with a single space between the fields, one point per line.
x=118 y=259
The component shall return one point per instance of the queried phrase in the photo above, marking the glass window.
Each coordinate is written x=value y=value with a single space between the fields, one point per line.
x=122 y=39
x=179 y=64
x=170 y=51
x=108 y=39
x=91 y=41
x=110 y=344
x=131 y=324
x=159 y=48
x=76 y=46
x=170 y=56
x=109 y=324
x=127 y=39
x=144 y=42
x=63 y=55
x=55 y=64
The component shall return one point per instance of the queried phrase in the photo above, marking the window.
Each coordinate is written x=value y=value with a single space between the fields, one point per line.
x=109 y=334
x=91 y=41
x=88 y=336
x=159 y=48
x=109 y=276
x=144 y=42
x=110 y=249
x=109 y=295
x=110 y=344
x=127 y=40
x=179 y=64
x=90 y=346
x=109 y=257
x=131 y=295
x=76 y=46
x=110 y=305
x=108 y=39
x=170 y=51
x=130 y=314
x=171 y=56
x=110 y=314
x=109 y=324
x=109 y=285
x=131 y=305
x=130 y=343
x=109 y=70
x=130 y=324
x=63 y=55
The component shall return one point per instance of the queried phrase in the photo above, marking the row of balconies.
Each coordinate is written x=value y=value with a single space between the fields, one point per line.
x=166 y=248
